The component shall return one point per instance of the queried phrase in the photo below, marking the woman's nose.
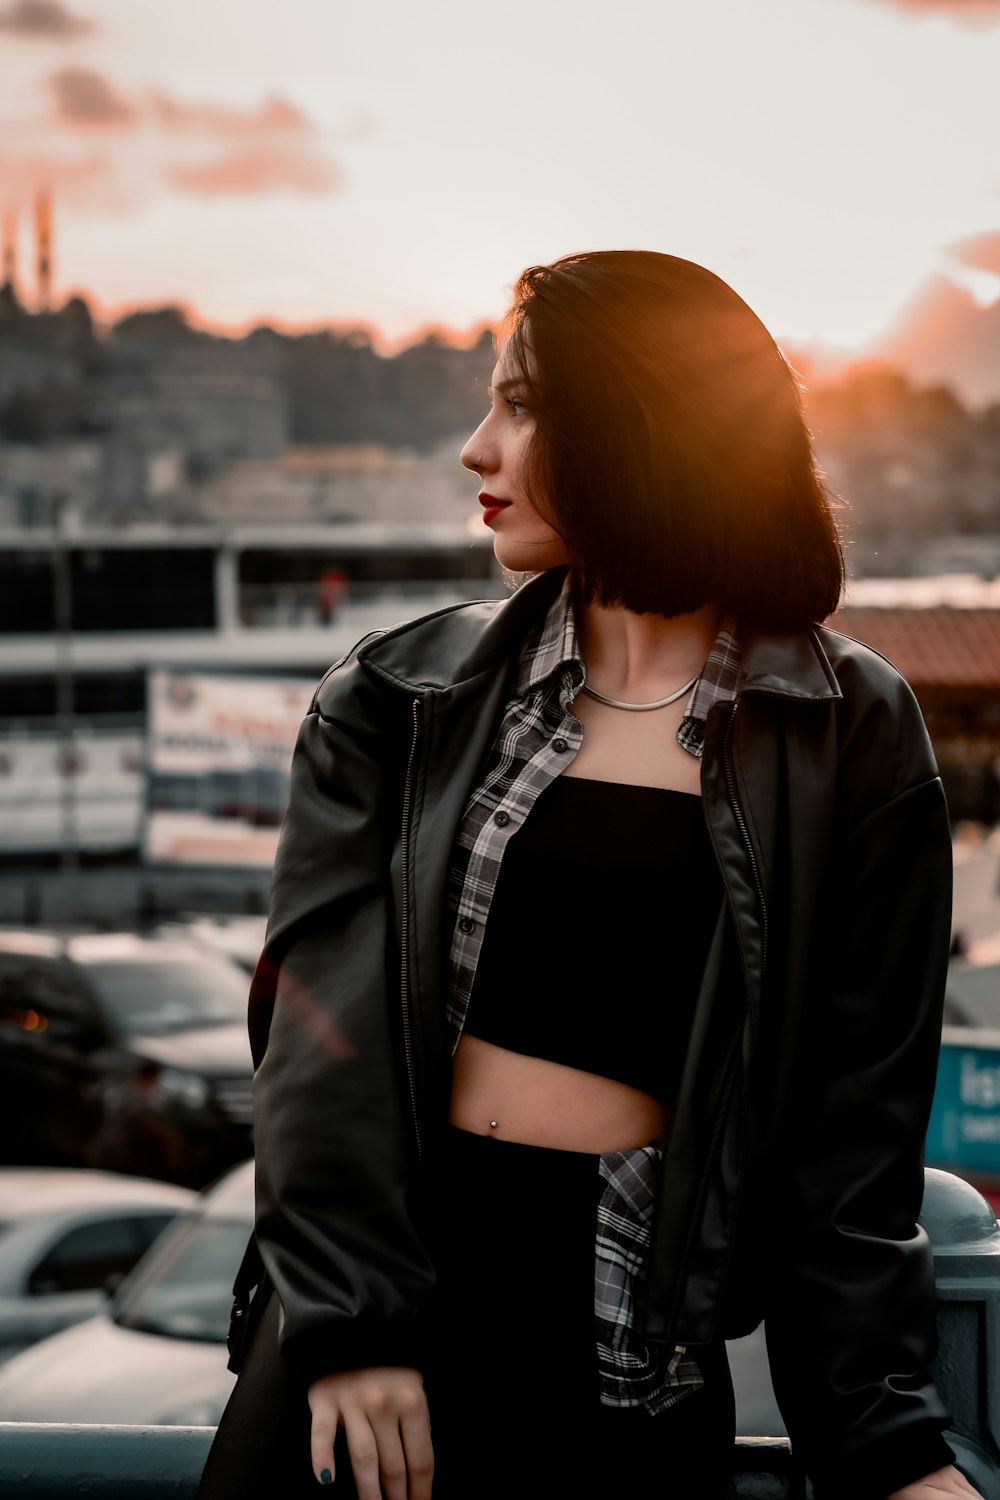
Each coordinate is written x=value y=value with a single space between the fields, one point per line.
x=473 y=455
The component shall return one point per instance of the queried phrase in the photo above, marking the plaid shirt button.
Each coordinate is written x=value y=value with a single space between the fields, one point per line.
x=560 y=745
x=467 y=925
x=501 y=819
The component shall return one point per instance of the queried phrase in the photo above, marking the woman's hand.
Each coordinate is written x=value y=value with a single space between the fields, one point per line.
x=943 y=1484
x=383 y=1412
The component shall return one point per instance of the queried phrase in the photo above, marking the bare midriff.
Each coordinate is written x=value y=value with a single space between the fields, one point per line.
x=513 y=1097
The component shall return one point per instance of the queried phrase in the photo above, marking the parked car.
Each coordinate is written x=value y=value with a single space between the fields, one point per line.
x=240 y=938
x=157 y=1353
x=256 y=794
x=123 y=1052
x=67 y=1235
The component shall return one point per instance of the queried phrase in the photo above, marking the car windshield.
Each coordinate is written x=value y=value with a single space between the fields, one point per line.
x=187 y=1292
x=153 y=997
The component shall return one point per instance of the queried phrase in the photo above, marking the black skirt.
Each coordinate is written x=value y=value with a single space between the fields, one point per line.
x=513 y=1380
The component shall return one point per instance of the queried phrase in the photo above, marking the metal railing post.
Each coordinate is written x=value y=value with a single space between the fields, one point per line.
x=49 y=1461
x=965 y=1238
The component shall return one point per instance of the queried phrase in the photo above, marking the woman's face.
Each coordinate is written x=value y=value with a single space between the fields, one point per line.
x=497 y=451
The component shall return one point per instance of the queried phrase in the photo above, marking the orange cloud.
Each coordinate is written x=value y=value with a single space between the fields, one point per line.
x=971 y=12
x=43 y=20
x=271 y=148
x=268 y=147
x=263 y=168
x=83 y=97
x=273 y=116
x=81 y=181
x=981 y=252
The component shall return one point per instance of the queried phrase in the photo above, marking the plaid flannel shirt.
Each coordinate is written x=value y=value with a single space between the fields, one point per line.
x=538 y=737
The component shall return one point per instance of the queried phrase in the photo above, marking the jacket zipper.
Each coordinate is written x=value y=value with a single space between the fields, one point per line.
x=404 y=940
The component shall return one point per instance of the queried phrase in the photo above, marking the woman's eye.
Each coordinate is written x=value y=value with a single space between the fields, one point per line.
x=518 y=408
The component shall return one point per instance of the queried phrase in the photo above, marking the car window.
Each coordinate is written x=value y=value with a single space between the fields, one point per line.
x=188 y=1293
x=156 y=996
x=83 y=1258
x=169 y=792
x=151 y=1226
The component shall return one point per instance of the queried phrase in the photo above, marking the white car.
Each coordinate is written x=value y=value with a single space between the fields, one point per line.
x=157 y=1354
x=239 y=938
x=66 y=1237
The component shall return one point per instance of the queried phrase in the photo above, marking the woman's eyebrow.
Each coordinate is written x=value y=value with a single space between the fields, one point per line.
x=512 y=383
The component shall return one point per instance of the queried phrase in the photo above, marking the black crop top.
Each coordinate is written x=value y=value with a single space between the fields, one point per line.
x=598 y=931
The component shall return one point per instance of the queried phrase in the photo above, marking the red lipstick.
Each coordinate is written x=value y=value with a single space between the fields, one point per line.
x=491 y=507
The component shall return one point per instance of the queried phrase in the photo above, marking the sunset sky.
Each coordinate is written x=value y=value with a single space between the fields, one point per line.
x=396 y=164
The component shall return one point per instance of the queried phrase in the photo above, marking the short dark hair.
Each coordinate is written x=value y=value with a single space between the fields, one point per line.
x=671 y=450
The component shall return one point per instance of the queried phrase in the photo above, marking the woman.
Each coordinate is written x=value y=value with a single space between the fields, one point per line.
x=599 y=1009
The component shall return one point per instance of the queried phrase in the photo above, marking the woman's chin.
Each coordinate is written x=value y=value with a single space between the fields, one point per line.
x=526 y=558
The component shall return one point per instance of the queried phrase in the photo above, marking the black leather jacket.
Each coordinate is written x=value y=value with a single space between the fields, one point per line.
x=793 y=1178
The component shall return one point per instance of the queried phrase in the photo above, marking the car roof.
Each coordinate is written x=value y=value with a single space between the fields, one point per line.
x=232 y=1197
x=36 y=944
x=29 y=1191
x=973 y=990
x=103 y=947
x=124 y=947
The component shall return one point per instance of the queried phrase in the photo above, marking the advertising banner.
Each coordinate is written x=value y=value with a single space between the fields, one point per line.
x=219 y=750
x=104 y=770
x=964 y=1132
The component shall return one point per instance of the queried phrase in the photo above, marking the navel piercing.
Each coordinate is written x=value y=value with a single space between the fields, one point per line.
x=493 y=1124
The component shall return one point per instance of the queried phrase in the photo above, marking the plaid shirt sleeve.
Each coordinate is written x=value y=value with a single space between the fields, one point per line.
x=630 y=1373
x=538 y=736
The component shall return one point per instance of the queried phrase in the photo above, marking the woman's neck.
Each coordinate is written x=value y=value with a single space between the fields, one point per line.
x=637 y=657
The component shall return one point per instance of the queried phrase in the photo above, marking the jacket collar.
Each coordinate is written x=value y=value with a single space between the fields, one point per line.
x=787 y=664
x=452 y=646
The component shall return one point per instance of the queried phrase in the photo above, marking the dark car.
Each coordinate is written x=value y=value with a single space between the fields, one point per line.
x=257 y=794
x=123 y=1052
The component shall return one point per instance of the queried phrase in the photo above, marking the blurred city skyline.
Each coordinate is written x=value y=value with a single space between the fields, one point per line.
x=394 y=167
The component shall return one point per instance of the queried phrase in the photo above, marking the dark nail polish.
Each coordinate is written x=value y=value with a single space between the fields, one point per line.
x=325 y=1477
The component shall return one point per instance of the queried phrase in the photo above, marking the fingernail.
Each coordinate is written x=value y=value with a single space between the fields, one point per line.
x=325 y=1477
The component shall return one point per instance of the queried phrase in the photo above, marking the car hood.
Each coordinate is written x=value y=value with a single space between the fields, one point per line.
x=212 y=1049
x=99 y=1372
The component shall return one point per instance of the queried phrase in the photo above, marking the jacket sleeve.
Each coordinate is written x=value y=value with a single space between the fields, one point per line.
x=335 y=1226
x=850 y=1321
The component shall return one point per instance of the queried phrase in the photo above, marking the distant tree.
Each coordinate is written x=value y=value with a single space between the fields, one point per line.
x=341 y=390
x=13 y=315
x=165 y=325
x=71 y=330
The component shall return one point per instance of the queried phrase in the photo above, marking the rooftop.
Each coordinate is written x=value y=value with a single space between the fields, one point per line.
x=937 y=647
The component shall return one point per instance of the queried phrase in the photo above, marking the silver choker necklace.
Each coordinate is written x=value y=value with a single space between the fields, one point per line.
x=642 y=708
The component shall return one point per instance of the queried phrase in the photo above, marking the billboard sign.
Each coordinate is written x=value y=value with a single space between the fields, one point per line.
x=964 y=1132
x=219 y=749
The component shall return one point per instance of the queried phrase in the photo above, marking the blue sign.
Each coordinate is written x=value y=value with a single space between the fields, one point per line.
x=964 y=1131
